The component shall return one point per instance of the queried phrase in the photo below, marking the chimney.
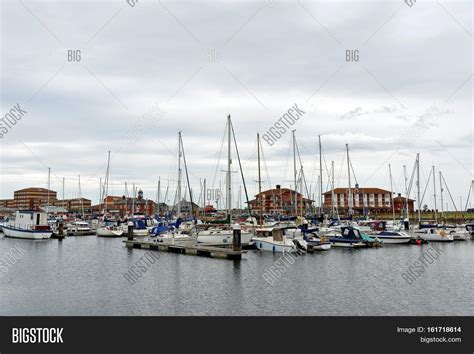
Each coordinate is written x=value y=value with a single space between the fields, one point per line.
x=278 y=186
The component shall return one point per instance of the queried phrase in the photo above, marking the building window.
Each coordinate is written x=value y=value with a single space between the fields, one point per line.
x=335 y=200
x=356 y=197
x=372 y=199
x=380 y=202
x=341 y=200
x=388 y=200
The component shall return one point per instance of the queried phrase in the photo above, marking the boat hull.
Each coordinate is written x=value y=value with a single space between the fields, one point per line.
x=105 y=232
x=224 y=238
x=274 y=246
x=346 y=243
x=26 y=234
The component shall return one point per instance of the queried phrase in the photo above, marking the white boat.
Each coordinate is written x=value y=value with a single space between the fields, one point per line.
x=109 y=231
x=460 y=234
x=273 y=239
x=223 y=237
x=78 y=228
x=435 y=235
x=269 y=244
x=29 y=224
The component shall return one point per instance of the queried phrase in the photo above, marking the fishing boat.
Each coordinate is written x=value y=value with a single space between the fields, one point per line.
x=28 y=224
x=78 y=228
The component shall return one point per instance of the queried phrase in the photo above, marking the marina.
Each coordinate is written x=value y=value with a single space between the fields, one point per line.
x=85 y=276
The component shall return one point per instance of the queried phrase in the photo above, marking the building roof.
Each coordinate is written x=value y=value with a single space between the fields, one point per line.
x=366 y=190
x=277 y=191
x=34 y=189
x=54 y=209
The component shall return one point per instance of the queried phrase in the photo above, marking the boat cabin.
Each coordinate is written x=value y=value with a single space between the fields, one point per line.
x=31 y=219
x=349 y=232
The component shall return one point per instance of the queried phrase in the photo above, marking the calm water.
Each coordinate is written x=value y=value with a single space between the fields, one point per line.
x=84 y=276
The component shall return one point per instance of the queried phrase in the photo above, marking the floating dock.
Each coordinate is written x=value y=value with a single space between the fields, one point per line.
x=187 y=247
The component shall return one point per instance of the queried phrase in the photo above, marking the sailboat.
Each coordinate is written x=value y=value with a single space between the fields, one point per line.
x=218 y=235
x=164 y=233
x=274 y=238
x=108 y=229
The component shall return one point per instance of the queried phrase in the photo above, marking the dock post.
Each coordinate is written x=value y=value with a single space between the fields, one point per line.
x=60 y=230
x=130 y=231
x=236 y=240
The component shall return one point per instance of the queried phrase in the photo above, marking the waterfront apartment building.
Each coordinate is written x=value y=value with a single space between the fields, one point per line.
x=372 y=199
x=122 y=205
x=29 y=198
x=75 y=205
x=35 y=198
x=279 y=201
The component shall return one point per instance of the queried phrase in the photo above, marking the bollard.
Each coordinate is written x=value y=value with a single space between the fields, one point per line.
x=130 y=231
x=236 y=240
x=60 y=230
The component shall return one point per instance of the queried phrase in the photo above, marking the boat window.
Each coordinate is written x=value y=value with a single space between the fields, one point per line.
x=37 y=219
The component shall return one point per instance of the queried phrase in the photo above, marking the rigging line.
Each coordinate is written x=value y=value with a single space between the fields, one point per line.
x=241 y=171
x=412 y=178
x=266 y=167
x=450 y=196
x=468 y=196
x=286 y=161
x=342 y=167
x=187 y=178
x=219 y=158
x=353 y=173
x=426 y=187
x=301 y=168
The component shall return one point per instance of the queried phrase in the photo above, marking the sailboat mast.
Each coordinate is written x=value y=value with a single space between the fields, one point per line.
x=179 y=175
x=295 y=173
x=80 y=196
x=418 y=186
x=349 y=196
x=63 y=190
x=320 y=178
x=49 y=187
x=434 y=195
x=391 y=192
x=259 y=180
x=332 y=188
x=133 y=199
x=406 y=191
x=229 y=164
x=441 y=194
x=107 y=182
x=204 y=198
x=158 y=195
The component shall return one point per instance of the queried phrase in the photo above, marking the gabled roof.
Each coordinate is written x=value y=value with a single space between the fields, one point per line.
x=367 y=190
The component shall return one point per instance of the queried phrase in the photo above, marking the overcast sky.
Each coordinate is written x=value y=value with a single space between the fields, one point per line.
x=410 y=91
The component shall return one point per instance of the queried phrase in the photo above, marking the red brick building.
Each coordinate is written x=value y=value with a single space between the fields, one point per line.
x=29 y=198
x=127 y=206
x=373 y=199
x=279 y=200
